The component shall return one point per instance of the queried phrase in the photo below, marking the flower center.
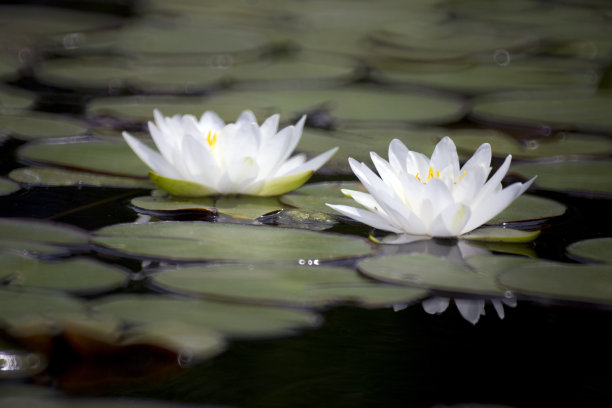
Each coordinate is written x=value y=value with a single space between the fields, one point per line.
x=211 y=139
x=431 y=174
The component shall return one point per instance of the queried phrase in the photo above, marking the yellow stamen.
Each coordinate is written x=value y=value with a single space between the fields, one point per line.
x=438 y=173
x=211 y=138
x=431 y=173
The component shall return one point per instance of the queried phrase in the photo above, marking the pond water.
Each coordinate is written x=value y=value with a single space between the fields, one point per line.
x=113 y=293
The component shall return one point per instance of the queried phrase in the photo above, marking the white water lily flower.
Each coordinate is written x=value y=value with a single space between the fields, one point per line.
x=206 y=157
x=417 y=196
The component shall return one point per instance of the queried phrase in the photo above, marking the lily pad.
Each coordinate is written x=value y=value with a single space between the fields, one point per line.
x=527 y=208
x=41 y=231
x=38 y=125
x=273 y=284
x=558 y=145
x=510 y=75
x=596 y=249
x=231 y=319
x=104 y=156
x=312 y=197
x=32 y=310
x=561 y=281
x=7 y=186
x=25 y=247
x=345 y=104
x=13 y=99
x=49 y=176
x=76 y=275
x=495 y=234
x=191 y=241
x=585 y=111
x=585 y=176
x=240 y=207
x=431 y=272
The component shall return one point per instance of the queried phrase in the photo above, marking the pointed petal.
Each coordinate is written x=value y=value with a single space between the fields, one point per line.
x=315 y=163
x=493 y=183
x=450 y=221
x=480 y=158
x=499 y=307
x=435 y=305
x=365 y=217
x=269 y=127
x=151 y=158
x=398 y=155
x=445 y=156
x=247 y=117
x=470 y=309
x=291 y=164
x=364 y=199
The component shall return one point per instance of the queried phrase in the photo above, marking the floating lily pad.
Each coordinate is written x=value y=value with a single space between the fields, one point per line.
x=31 y=311
x=8 y=70
x=104 y=156
x=313 y=197
x=77 y=275
x=25 y=247
x=240 y=207
x=572 y=282
x=430 y=272
x=192 y=241
x=528 y=207
x=49 y=176
x=596 y=249
x=275 y=284
x=561 y=144
x=568 y=110
x=345 y=104
x=11 y=98
x=231 y=319
x=7 y=186
x=176 y=37
x=495 y=234
x=42 y=231
x=510 y=75
x=584 y=176
x=37 y=125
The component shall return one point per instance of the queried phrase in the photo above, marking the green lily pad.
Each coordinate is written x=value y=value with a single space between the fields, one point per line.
x=430 y=272
x=49 y=176
x=596 y=249
x=33 y=310
x=560 y=281
x=12 y=99
x=527 y=208
x=8 y=187
x=170 y=38
x=495 y=234
x=273 y=284
x=38 y=125
x=240 y=207
x=231 y=319
x=585 y=176
x=76 y=275
x=345 y=104
x=515 y=75
x=8 y=70
x=585 y=111
x=42 y=231
x=104 y=156
x=558 y=145
x=191 y=241
x=312 y=197
x=25 y=247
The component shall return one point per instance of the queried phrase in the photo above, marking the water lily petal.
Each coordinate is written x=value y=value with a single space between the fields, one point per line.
x=211 y=121
x=435 y=305
x=246 y=117
x=444 y=157
x=364 y=216
x=316 y=162
x=364 y=199
x=152 y=158
x=471 y=309
x=451 y=221
x=270 y=127
x=494 y=182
